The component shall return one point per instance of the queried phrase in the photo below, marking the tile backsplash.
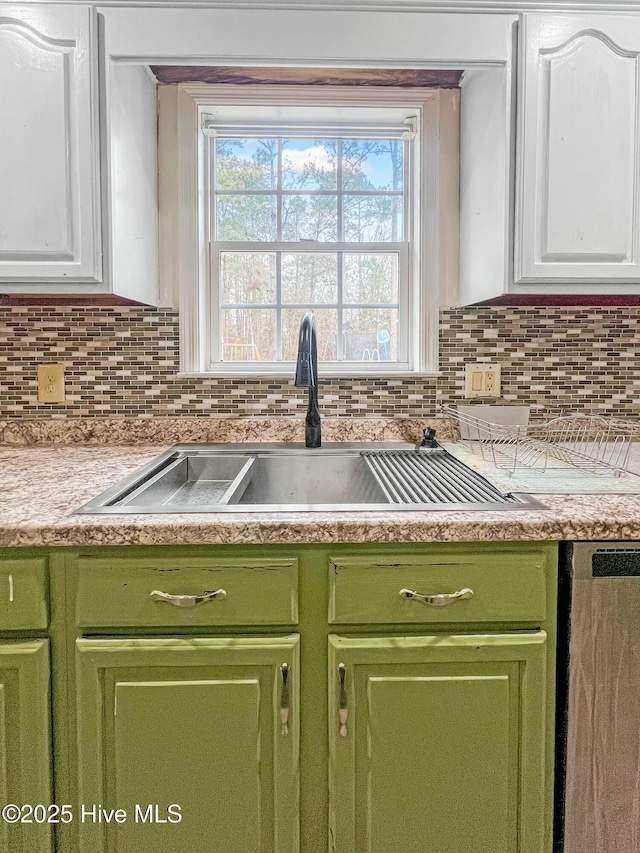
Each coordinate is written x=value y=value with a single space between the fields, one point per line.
x=122 y=362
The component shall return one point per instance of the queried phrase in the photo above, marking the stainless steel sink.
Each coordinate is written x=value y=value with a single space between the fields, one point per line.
x=285 y=478
x=311 y=478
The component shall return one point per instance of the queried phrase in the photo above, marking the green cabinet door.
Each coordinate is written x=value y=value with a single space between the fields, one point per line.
x=200 y=724
x=437 y=744
x=25 y=750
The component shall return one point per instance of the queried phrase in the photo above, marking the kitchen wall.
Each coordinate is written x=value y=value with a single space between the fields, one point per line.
x=122 y=362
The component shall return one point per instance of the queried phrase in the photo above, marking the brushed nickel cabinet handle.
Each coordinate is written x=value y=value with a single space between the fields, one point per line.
x=443 y=600
x=343 y=710
x=284 y=700
x=188 y=600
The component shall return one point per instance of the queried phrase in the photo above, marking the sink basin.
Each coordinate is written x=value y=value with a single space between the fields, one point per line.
x=284 y=478
x=188 y=479
x=306 y=479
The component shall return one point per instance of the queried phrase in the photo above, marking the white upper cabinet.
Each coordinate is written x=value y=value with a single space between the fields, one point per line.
x=578 y=173
x=49 y=165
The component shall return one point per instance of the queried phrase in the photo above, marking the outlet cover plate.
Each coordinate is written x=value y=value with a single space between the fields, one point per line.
x=481 y=380
x=51 y=383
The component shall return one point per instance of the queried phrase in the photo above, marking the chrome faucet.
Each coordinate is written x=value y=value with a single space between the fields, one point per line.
x=307 y=377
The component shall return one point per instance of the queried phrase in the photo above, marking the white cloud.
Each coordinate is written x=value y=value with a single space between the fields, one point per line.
x=294 y=160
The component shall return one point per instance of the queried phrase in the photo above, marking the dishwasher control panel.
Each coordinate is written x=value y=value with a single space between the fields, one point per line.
x=606 y=559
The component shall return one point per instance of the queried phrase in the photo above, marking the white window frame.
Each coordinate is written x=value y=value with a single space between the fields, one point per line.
x=433 y=220
x=213 y=343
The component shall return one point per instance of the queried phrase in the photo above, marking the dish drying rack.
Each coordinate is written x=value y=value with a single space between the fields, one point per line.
x=598 y=444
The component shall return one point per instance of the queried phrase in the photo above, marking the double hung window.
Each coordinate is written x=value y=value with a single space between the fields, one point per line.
x=310 y=221
x=331 y=200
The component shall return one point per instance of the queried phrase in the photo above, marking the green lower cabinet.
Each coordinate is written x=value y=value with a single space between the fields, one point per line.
x=437 y=744
x=25 y=743
x=210 y=725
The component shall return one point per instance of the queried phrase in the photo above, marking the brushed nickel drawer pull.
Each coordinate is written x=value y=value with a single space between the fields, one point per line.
x=188 y=600
x=284 y=700
x=343 y=711
x=443 y=600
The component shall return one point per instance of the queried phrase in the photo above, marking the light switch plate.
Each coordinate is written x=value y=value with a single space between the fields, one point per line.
x=482 y=380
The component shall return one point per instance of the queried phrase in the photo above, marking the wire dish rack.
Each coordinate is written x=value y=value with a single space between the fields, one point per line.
x=600 y=445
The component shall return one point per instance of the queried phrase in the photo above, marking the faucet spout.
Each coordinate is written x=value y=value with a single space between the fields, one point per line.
x=307 y=377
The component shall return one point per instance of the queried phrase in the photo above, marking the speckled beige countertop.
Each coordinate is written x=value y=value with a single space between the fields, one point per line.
x=40 y=487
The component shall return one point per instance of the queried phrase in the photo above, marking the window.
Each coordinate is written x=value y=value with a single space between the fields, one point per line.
x=308 y=224
x=313 y=200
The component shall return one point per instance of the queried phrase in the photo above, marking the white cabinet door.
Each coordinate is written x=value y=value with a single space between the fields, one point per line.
x=49 y=165
x=578 y=179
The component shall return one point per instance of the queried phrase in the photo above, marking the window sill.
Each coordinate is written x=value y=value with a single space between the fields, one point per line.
x=257 y=374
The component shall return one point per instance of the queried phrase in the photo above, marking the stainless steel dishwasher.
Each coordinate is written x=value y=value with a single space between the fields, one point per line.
x=599 y=733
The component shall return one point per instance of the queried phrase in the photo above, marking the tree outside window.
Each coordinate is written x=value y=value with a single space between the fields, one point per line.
x=305 y=224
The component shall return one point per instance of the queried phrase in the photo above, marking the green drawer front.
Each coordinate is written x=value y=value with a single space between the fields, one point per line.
x=117 y=593
x=23 y=594
x=507 y=587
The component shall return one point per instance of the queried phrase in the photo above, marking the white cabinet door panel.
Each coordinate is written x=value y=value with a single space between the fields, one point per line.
x=49 y=197
x=579 y=152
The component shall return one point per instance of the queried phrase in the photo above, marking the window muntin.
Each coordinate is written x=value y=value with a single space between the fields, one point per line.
x=309 y=223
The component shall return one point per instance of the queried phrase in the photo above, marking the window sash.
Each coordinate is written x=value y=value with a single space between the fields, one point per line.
x=215 y=316
x=213 y=346
x=339 y=192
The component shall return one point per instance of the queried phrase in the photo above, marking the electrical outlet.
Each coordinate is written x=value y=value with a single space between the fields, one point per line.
x=482 y=380
x=51 y=383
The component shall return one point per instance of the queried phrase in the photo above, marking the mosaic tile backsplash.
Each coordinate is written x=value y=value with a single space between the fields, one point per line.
x=122 y=362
